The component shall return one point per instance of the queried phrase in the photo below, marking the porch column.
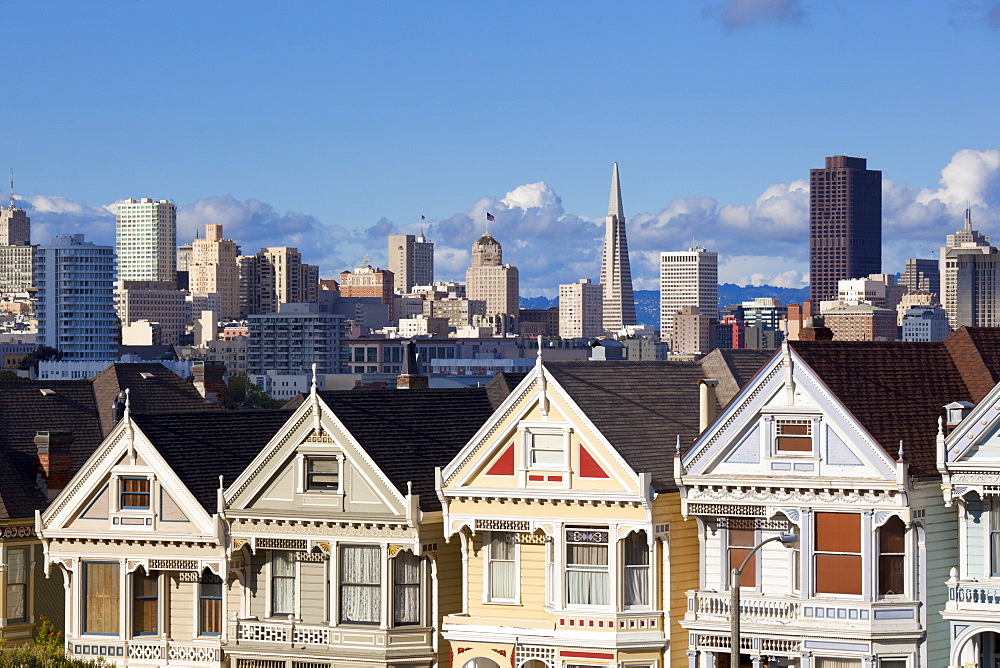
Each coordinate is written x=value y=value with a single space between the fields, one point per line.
x=755 y=661
x=867 y=556
x=806 y=542
x=805 y=661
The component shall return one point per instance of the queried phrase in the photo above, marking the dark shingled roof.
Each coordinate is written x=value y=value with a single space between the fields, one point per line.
x=897 y=390
x=640 y=407
x=201 y=446
x=82 y=407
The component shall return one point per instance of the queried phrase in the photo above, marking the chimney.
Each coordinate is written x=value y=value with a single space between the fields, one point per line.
x=118 y=408
x=208 y=380
x=707 y=408
x=55 y=460
x=411 y=378
x=815 y=330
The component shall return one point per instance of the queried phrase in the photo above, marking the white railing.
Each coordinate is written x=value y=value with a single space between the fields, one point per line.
x=752 y=609
x=971 y=593
x=188 y=653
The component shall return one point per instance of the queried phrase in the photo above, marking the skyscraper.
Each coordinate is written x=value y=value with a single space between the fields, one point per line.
x=16 y=253
x=411 y=261
x=495 y=283
x=146 y=240
x=845 y=224
x=15 y=227
x=75 y=307
x=275 y=276
x=688 y=278
x=213 y=269
x=616 y=274
x=922 y=274
x=970 y=278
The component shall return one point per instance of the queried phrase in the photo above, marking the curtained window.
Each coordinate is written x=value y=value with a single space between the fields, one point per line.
x=586 y=567
x=17 y=584
x=821 y=662
x=145 y=592
x=502 y=567
x=636 y=569
x=891 y=552
x=282 y=583
x=135 y=493
x=100 y=596
x=360 y=584
x=741 y=543
x=210 y=604
x=406 y=589
x=322 y=473
x=838 y=553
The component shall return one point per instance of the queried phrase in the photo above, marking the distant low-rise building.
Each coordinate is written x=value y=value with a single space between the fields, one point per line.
x=861 y=322
x=925 y=323
x=294 y=339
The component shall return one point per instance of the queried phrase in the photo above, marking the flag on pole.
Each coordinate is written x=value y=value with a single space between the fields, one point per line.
x=422 y=218
x=489 y=216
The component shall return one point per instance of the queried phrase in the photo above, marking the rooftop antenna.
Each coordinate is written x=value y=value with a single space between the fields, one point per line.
x=968 y=213
x=12 y=188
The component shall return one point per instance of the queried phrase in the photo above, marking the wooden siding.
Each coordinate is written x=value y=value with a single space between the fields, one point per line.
x=312 y=592
x=682 y=566
x=941 y=552
x=49 y=593
x=183 y=615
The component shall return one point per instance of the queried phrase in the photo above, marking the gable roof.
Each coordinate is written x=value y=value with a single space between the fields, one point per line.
x=640 y=407
x=896 y=390
x=201 y=446
x=733 y=368
x=82 y=407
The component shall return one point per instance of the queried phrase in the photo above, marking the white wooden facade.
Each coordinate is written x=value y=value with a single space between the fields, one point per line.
x=858 y=589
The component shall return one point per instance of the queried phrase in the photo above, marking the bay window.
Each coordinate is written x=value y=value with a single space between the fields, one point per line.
x=838 y=553
x=406 y=589
x=502 y=569
x=636 y=569
x=891 y=552
x=586 y=567
x=282 y=583
x=145 y=594
x=360 y=584
x=17 y=584
x=100 y=597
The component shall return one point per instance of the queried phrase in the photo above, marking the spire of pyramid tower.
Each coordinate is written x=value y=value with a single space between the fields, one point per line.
x=615 y=202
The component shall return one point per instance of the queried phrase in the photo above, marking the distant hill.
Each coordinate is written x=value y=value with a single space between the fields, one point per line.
x=647 y=302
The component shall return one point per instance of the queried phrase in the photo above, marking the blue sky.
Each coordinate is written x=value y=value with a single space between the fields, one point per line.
x=325 y=125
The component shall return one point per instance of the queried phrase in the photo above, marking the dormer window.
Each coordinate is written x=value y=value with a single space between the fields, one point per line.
x=793 y=436
x=134 y=494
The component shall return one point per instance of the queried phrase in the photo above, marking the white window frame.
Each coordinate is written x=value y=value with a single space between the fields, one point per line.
x=808 y=421
x=270 y=585
x=611 y=570
x=623 y=566
x=487 y=580
x=755 y=559
x=117 y=515
x=529 y=430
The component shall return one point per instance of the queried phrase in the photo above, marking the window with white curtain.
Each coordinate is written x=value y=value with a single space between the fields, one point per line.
x=826 y=662
x=502 y=567
x=17 y=584
x=360 y=584
x=406 y=589
x=586 y=566
x=282 y=583
x=635 y=574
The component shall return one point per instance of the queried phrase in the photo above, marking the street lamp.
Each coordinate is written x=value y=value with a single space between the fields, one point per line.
x=734 y=605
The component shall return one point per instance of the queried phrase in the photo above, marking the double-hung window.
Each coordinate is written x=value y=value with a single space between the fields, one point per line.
x=793 y=436
x=891 y=553
x=135 y=493
x=742 y=540
x=838 y=553
x=636 y=570
x=360 y=584
x=587 y=567
x=282 y=582
x=995 y=537
x=406 y=589
x=545 y=451
x=502 y=566
x=145 y=595
x=17 y=584
x=100 y=596
x=210 y=604
x=322 y=473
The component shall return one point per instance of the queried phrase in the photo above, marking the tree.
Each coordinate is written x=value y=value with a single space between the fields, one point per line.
x=46 y=652
x=241 y=393
x=40 y=353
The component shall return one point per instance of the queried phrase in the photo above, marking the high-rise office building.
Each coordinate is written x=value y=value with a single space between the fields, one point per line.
x=213 y=269
x=495 y=283
x=921 y=274
x=688 y=278
x=411 y=261
x=581 y=309
x=16 y=253
x=970 y=277
x=275 y=276
x=616 y=274
x=146 y=240
x=75 y=305
x=15 y=227
x=845 y=224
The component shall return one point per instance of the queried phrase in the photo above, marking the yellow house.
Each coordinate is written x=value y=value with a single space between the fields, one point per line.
x=574 y=552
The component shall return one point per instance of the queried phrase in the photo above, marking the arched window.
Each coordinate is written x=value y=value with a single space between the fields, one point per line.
x=635 y=578
x=891 y=553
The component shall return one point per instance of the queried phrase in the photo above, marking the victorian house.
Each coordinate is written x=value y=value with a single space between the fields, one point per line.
x=835 y=442
x=48 y=429
x=564 y=505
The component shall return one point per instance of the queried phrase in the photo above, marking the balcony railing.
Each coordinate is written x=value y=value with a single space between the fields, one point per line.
x=296 y=634
x=760 y=610
x=971 y=595
x=155 y=652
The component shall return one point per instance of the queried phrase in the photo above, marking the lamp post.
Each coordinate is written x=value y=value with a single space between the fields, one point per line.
x=734 y=587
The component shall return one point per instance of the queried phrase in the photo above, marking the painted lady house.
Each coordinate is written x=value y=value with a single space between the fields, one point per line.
x=835 y=442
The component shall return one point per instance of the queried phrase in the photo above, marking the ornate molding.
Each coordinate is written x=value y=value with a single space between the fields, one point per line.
x=251 y=526
x=776 y=495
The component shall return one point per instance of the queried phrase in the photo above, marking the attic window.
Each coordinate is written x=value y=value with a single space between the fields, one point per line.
x=46 y=392
x=146 y=375
x=793 y=436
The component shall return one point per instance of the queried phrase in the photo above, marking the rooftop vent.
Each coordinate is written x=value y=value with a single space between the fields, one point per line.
x=46 y=392
x=146 y=375
x=958 y=411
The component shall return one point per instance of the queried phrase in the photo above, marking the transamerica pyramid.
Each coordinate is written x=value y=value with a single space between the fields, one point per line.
x=616 y=275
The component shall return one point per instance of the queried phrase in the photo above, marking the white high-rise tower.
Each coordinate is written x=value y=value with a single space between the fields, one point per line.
x=688 y=279
x=616 y=274
x=146 y=240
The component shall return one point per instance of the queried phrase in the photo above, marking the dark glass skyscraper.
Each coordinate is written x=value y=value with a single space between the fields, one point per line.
x=845 y=224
